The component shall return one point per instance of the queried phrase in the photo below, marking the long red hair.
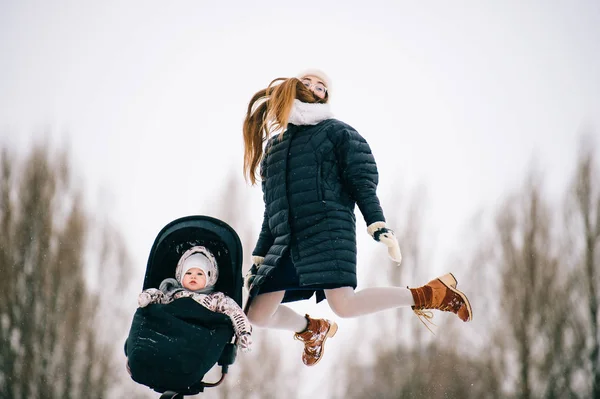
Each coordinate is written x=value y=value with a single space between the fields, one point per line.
x=269 y=111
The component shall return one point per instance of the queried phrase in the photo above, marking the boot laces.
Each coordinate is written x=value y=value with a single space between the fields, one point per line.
x=425 y=316
x=307 y=341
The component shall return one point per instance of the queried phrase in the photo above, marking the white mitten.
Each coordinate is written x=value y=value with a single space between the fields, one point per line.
x=249 y=278
x=258 y=260
x=144 y=299
x=381 y=233
x=245 y=342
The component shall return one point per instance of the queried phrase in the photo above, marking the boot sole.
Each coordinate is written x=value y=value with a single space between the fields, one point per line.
x=333 y=327
x=449 y=278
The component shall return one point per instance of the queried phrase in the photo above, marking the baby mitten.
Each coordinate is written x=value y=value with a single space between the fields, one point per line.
x=245 y=342
x=144 y=299
x=149 y=296
x=381 y=233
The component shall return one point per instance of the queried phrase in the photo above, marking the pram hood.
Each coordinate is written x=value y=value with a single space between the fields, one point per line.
x=183 y=233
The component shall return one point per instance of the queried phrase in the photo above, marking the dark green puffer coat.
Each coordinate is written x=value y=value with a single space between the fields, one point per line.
x=312 y=178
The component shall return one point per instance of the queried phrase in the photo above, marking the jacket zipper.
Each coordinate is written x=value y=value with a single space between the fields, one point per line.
x=320 y=195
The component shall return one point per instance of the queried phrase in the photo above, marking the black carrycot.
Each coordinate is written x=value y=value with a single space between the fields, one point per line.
x=171 y=347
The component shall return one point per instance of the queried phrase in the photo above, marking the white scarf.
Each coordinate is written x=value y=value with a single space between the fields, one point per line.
x=309 y=113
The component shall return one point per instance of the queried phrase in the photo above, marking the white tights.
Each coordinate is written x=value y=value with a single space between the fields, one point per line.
x=266 y=310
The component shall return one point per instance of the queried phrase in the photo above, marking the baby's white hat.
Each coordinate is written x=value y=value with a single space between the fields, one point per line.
x=200 y=257
x=317 y=73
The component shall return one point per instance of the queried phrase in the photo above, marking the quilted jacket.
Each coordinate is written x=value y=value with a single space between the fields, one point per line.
x=312 y=178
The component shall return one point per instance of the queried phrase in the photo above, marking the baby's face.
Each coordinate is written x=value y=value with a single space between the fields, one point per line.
x=194 y=279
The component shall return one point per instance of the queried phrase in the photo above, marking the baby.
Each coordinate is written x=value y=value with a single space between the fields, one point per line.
x=195 y=277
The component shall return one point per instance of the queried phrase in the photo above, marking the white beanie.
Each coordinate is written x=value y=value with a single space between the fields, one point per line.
x=316 y=73
x=201 y=258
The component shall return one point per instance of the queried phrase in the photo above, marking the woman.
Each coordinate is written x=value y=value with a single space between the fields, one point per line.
x=313 y=174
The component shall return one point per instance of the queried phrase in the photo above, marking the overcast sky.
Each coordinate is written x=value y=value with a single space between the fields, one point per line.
x=458 y=97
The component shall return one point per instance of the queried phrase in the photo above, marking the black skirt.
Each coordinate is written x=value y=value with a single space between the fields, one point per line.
x=285 y=278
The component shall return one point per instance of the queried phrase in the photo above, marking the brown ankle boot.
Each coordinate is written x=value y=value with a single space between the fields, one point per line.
x=441 y=294
x=314 y=336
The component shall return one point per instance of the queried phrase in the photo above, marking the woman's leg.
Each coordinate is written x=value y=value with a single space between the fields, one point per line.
x=440 y=294
x=267 y=311
x=345 y=302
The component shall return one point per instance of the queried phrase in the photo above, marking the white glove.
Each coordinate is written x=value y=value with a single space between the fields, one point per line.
x=258 y=260
x=245 y=342
x=381 y=233
x=144 y=299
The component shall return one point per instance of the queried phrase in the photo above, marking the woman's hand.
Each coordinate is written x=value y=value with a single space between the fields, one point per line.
x=381 y=233
x=251 y=274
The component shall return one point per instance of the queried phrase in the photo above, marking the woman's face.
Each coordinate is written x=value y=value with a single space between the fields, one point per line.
x=194 y=279
x=315 y=85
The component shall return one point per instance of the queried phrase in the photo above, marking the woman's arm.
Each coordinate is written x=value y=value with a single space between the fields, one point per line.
x=265 y=237
x=359 y=174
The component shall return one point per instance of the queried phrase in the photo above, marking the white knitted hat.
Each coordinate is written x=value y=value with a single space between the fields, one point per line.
x=319 y=74
x=201 y=258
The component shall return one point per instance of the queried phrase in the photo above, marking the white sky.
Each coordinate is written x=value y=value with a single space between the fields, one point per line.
x=150 y=95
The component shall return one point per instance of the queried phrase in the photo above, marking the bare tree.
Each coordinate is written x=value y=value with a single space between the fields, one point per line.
x=535 y=326
x=442 y=373
x=50 y=339
x=583 y=213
